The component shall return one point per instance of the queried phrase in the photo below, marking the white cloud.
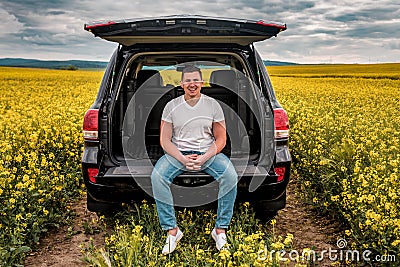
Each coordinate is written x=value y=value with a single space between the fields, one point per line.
x=318 y=31
x=8 y=22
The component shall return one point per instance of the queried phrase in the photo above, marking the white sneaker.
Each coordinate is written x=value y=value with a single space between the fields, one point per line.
x=171 y=242
x=220 y=239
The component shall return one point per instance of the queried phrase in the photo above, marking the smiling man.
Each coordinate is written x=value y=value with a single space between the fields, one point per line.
x=192 y=134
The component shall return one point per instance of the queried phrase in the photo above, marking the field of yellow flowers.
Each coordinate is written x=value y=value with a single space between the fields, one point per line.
x=41 y=115
x=345 y=130
x=345 y=134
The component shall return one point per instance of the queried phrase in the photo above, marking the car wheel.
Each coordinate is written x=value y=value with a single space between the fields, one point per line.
x=102 y=208
x=265 y=215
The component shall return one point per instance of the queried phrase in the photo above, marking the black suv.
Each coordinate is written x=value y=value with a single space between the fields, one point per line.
x=121 y=128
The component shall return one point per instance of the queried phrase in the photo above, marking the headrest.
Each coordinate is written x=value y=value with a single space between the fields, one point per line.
x=225 y=78
x=150 y=77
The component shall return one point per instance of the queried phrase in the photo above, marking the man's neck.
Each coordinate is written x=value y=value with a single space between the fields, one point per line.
x=192 y=101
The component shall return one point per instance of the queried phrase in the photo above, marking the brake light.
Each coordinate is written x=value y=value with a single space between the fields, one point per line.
x=91 y=125
x=280 y=171
x=281 y=120
x=92 y=174
x=269 y=24
x=100 y=24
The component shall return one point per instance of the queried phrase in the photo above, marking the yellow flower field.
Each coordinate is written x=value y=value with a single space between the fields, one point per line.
x=345 y=131
x=41 y=115
x=137 y=238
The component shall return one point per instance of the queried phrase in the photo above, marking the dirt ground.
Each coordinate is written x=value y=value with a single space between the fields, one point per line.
x=309 y=229
x=61 y=247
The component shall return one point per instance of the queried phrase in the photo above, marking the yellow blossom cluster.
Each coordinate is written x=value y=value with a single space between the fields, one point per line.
x=41 y=113
x=137 y=241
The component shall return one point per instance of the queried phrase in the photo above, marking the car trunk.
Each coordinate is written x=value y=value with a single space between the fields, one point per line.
x=144 y=90
x=143 y=94
x=132 y=137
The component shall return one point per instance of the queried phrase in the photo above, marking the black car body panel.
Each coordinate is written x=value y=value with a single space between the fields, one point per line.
x=184 y=29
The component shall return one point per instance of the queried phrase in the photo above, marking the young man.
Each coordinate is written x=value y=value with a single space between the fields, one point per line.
x=192 y=134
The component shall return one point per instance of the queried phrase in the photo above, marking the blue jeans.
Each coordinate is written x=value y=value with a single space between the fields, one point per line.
x=219 y=167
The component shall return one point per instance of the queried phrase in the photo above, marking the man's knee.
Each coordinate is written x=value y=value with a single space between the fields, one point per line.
x=155 y=176
x=166 y=169
x=159 y=170
x=230 y=176
x=228 y=172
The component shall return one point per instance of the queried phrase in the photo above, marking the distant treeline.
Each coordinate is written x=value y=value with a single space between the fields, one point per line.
x=81 y=64
x=278 y=63
x=52 y=64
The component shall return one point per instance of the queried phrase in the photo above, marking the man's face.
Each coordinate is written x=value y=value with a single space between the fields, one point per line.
x=191 y=84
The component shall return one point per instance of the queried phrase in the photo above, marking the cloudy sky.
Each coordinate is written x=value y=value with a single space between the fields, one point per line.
x=340 y=31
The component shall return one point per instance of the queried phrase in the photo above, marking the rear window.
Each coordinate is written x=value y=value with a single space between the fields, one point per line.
x=171 y=75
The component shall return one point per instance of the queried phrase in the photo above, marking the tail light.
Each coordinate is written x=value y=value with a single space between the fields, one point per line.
x=281 y=123
x=92 y=174
x=91 y=125
x=280 y=171
x=271 y=24
x=98 y=24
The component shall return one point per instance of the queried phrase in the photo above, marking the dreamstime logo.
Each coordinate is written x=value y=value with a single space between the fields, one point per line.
x=341 y=243
x=339 y=254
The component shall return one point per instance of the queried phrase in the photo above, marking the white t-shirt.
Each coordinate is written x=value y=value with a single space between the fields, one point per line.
x=192 y=126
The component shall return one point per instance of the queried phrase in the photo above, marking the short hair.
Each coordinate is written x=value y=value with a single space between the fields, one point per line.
x=189 y=69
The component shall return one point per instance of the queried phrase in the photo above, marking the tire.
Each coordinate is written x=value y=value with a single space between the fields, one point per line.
x=102 y=208
x=267 y=210
x=265 y=216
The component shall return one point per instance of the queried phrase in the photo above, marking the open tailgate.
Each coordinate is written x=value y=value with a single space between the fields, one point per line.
x=184 y=29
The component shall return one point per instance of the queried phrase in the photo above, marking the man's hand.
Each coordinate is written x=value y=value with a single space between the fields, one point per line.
x=194 y=162
x=198 y=162
x=190 y=161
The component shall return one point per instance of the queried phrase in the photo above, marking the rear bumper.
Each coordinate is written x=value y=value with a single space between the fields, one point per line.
x=119 y=185
x=124 y=188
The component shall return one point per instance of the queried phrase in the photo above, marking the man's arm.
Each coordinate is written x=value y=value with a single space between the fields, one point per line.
x=166 y=144
x=219 y=132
